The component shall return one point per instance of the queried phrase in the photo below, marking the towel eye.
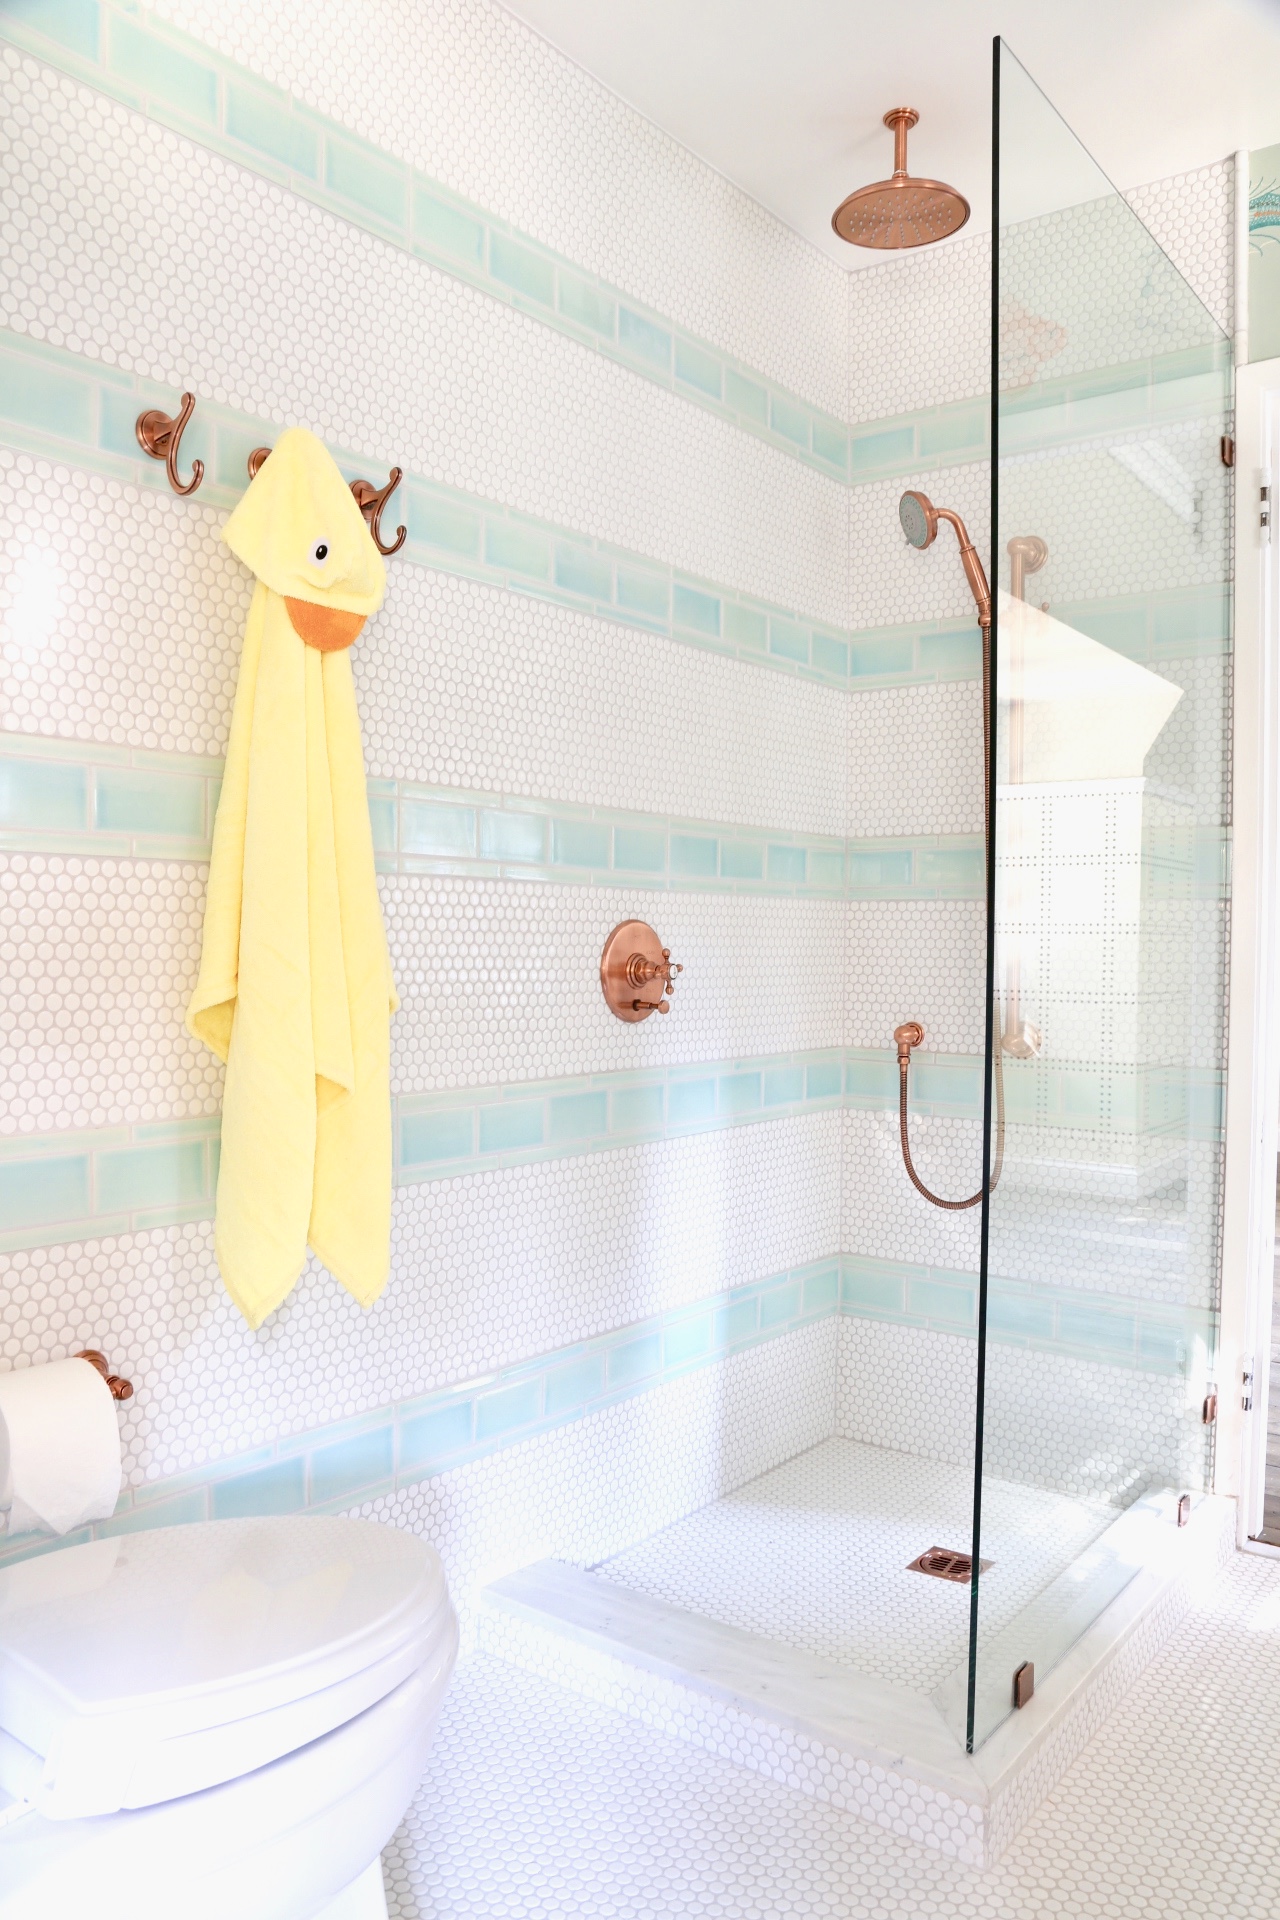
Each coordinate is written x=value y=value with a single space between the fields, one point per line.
x=319 y=553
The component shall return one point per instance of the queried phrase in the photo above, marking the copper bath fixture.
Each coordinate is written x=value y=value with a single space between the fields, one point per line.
x=902 y=212
x=920 y=520
x=160 y=435
x=944 y=1563
x=120 y=1389
x=633 y=966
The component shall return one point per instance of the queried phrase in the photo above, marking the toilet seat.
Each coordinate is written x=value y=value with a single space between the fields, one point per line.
x=281 y=1843
x=150 y=1666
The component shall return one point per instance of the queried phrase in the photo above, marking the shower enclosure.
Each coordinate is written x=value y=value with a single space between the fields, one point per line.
x=897 y=1593
x=1111 y=562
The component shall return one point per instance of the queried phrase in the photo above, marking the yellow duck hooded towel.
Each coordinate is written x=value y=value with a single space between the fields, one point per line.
x=295 y=990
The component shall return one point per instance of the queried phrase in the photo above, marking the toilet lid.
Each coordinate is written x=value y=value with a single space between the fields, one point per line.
x=149 y=1665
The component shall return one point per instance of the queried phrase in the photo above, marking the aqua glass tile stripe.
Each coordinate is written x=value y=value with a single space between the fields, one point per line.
x=641 y=339
x=261 y=120
x=513 y=836
x=35 y=1193
x=689 y=1339
x=519 y=1123
x=572 y=1387
x=434 y=1436
x=694 y=856
x=344 y=1462
x=182 y=1509
x=738 y=1322
x=637 y=1109
x=635 y=1361
x=49 y=397
x=42 y=795
x=822 y=1290
x=348 y=1465
x=639 y=850
x=366 y=181
x=441 y=225
x=783 y=1085
x=520 y=268
x=60 y=1188
x=150 y=1177
x=279 y=1488
x=425 y=828
x=150 y=803
x=698 y=611
x=579 y=843
x=741 y=860
x=697 y=368
x=590 y=306
x=55 y=399
x=824 y=1080
x=779 y=1304
x=748 y=398
x=578 y=1116
x=146 y=62
x=515 y=1406
x=186 y=84
x=428 y=1137
x=70 y=23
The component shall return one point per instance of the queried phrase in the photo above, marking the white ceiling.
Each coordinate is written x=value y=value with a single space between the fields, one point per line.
x=785 y=96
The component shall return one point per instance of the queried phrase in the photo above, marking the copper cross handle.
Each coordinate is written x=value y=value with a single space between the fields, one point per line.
x=160 y=435
x=120 y=1389
x=640 y=970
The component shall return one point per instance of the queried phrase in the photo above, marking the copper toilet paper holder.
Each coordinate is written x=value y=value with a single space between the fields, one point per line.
x=633 y=963
x=120 y=1389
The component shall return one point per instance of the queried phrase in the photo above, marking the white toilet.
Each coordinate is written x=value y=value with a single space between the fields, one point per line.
x=224 y=1721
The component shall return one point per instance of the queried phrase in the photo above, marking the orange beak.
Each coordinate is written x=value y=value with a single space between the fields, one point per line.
x=327 y=629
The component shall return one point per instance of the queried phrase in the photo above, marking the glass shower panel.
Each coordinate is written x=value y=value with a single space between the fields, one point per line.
x=1111 y=556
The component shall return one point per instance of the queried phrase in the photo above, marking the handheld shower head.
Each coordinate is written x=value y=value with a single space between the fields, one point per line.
x=919 y=519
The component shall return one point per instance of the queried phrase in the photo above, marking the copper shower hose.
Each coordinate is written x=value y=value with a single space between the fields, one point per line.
x=911 y=1033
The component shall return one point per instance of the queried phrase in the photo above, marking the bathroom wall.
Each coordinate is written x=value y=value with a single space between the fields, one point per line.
x=610 y=679
x=654 y=647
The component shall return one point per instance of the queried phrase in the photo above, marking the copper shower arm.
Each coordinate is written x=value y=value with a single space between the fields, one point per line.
x=972 y=565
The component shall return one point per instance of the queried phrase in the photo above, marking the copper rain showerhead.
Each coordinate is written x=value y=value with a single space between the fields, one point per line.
x=901 y=212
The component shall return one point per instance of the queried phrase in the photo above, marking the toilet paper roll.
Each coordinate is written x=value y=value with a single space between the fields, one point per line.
x=59 y=1446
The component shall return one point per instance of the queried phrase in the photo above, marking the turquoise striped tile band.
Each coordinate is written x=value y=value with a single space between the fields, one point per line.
x=62 y=1186
x=179 y=82
x=67 y=408
x=330 y=1469
x=60 y=796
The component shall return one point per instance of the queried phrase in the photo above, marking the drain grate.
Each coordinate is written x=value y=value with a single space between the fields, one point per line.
x=945 y=1564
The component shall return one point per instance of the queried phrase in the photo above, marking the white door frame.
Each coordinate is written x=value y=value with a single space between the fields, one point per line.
x=1253 y=1031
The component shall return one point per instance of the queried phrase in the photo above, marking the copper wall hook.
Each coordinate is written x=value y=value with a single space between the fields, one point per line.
x=371 y=500
x=634 y=957
x=160 y=435
x=120 y=1389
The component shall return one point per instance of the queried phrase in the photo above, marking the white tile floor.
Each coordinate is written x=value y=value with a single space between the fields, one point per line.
x=816 y=1553
x=543 y=1806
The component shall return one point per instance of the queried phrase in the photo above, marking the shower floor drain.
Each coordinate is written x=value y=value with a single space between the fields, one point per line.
x=944 y=1564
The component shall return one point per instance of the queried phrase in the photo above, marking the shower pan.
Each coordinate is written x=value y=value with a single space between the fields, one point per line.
x=920 y=1618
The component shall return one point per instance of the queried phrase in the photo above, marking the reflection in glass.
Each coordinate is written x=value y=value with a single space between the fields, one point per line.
x=1112 y=660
